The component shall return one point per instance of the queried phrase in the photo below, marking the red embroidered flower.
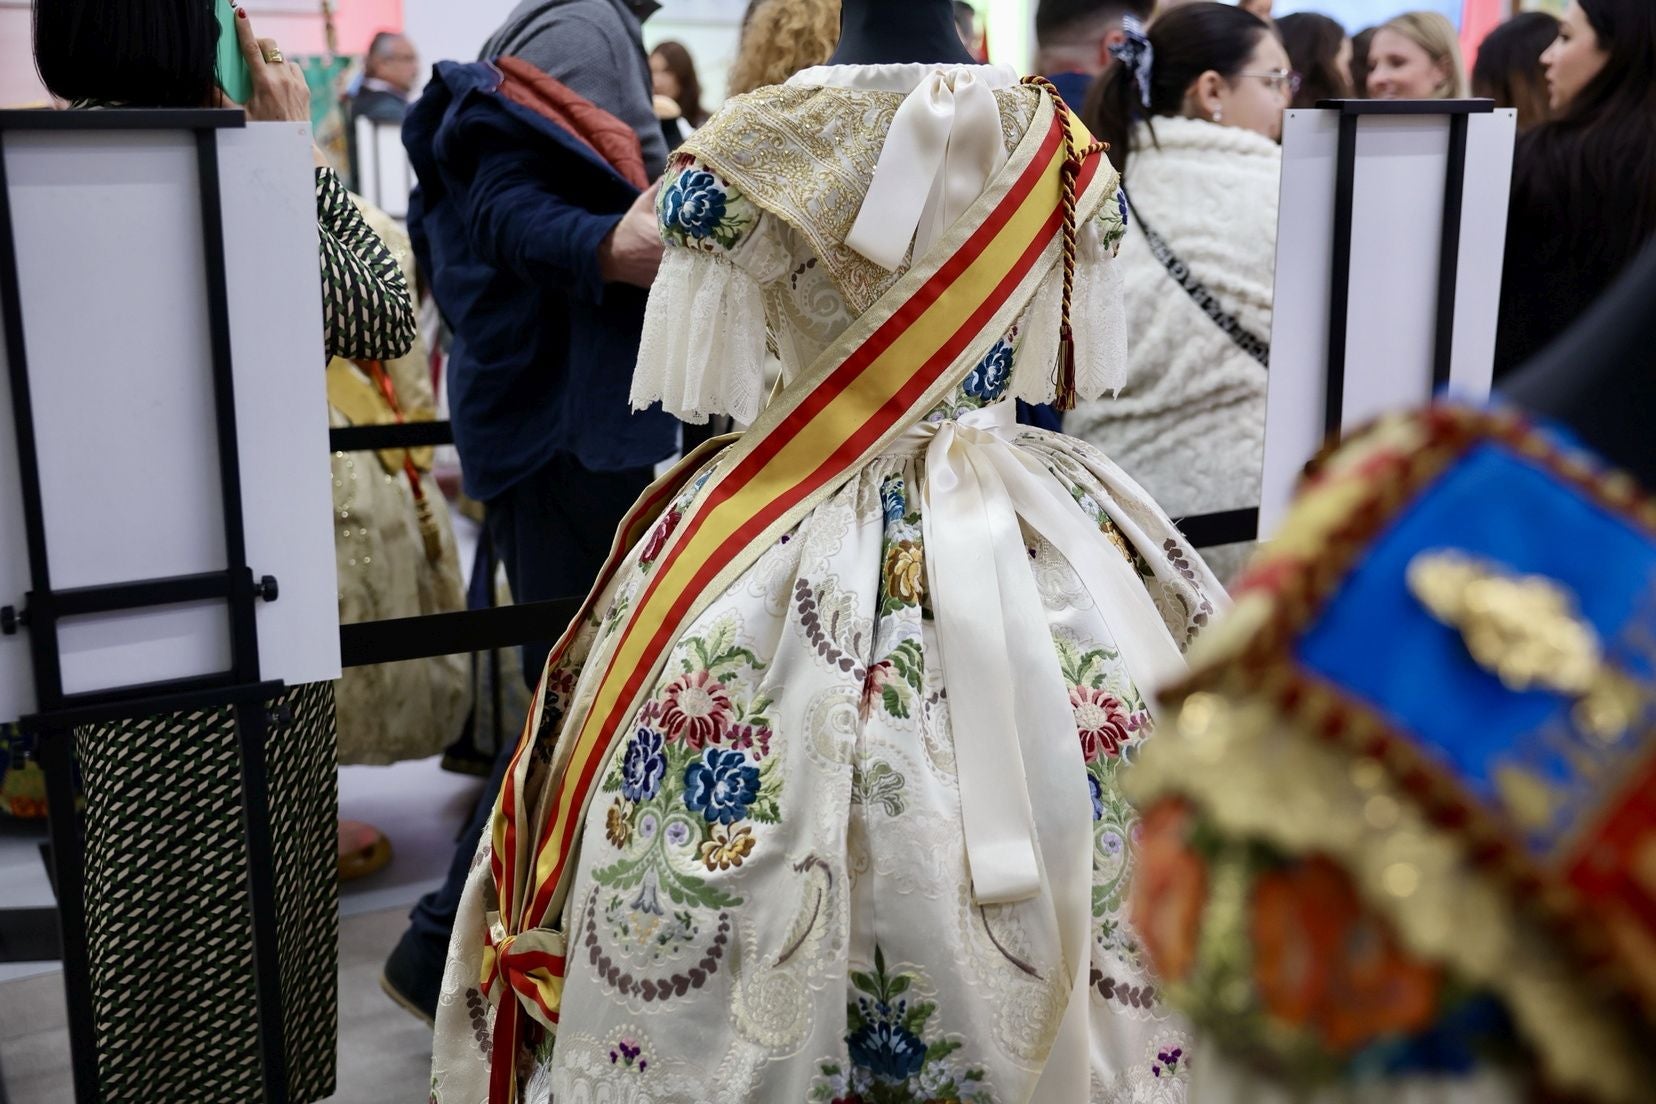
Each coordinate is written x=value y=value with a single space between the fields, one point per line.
x=1102 y=720
x=881 y=675
x=697 y=710
x=657 y=539
x=748 y=737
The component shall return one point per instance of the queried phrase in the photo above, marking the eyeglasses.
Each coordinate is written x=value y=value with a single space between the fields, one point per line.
x=1278 y=80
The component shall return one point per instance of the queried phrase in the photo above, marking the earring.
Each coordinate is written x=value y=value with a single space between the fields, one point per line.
x=1218 y=114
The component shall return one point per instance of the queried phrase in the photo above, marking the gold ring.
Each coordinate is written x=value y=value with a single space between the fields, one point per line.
x=273 y=56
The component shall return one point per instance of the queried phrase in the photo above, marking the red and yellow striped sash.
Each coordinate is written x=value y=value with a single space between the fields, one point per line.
x=896 y=362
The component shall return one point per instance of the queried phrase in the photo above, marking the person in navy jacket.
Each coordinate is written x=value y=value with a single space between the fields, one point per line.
x=534 y=222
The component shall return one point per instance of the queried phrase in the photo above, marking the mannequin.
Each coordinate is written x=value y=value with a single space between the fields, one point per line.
x=885 y=32
x=1598 y=380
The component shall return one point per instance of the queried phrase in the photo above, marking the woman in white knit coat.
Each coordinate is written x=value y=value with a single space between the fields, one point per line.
x=1192 y=115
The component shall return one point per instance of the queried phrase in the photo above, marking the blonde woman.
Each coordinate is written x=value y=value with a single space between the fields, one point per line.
x=1416 y=56
x=781 y=37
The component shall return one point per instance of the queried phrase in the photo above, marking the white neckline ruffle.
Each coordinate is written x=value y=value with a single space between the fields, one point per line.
x=902 y=77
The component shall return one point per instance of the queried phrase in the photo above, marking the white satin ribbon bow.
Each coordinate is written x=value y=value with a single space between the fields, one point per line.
x=944 y=146
x=1008 y=704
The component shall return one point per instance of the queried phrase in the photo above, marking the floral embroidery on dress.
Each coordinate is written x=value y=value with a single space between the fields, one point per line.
x=1101 y=518
x=895 y=684
x=1112 y=720
x=903 y=575
x=688 y=788
x=628 y=1053
x=984 y=384
x=878 y=783
x=1113 y=219
x=891 y=1059
x=1168 y=1063
x=698 y=210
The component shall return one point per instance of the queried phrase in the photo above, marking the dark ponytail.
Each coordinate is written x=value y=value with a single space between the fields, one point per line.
x=1187 y=42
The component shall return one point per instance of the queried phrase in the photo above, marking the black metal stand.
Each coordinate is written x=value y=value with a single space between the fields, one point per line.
x=1339 y=284
x=43 y=608
x=1229 y=526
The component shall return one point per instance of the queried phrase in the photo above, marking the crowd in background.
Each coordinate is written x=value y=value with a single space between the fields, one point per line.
x=1190 y=97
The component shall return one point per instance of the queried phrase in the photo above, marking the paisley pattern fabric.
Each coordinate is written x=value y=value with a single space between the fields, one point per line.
x=773 y=900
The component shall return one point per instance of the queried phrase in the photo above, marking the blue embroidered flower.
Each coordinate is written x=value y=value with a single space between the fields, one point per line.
x=1097 y=796
x=893 y=499
x=643 y=767
x=1121 y=206
x=988 y=380
x=888 y=1050
x=721 y=785
x=694 y=204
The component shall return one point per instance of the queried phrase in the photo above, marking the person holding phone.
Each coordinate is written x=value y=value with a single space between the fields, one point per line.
x=154 y=53
x=165 y=862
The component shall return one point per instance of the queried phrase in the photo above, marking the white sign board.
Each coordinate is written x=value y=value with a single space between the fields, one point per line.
x=1396 y=231
x=109 y=245
x=384 y=176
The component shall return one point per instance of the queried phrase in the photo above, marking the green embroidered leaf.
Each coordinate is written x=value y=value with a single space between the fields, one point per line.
x=732 y=660
x=687 y=890
x=622 y=872
x=720 y=640
x=917 y=1016
x=908 y=660
x=766 y=811
x=864 y=982
x=893 y=702
x=942 y=1049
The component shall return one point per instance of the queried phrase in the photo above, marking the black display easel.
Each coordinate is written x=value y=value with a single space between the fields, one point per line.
x=1228 y=526
x=240 y=687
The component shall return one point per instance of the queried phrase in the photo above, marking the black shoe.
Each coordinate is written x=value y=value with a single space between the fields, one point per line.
x=413 y=978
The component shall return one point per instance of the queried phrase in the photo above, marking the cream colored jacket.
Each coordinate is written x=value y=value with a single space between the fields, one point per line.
x=1190 y=423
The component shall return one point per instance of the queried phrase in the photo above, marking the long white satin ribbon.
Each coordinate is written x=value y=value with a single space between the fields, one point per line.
x=995 y=648
x=944 y=146
x=1014 y=731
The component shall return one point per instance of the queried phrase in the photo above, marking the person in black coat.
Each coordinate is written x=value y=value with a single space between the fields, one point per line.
x=1583 y=183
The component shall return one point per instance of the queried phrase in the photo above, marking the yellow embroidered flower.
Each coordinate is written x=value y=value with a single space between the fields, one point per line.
x=618 y=827
x=727 y=849
x=904 y=572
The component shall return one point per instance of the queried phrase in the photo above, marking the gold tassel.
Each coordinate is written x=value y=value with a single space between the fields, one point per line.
x=1066 y=369
x=1064 y=389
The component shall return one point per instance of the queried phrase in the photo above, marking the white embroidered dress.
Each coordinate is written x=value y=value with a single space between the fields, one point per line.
x=791 y=886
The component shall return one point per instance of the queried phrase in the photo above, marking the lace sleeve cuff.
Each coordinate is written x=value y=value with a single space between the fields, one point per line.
x=703 y=350
x=1097 y=319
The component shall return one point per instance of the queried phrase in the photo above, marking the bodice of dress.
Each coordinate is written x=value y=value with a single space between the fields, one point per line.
x=759 y=213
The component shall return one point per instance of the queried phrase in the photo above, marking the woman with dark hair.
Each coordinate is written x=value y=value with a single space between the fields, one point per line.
x=1360 y=43
x=155 y=53
x=1192 y=114
x=1320 y=53
x=166 y=873
x=1508 y=69
x=1583 y=183
x=673 y=72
